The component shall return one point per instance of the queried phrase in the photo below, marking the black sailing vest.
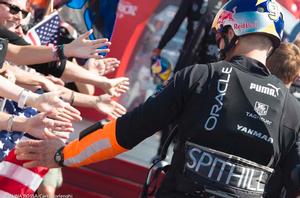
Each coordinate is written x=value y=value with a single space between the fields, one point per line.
x=233 y=147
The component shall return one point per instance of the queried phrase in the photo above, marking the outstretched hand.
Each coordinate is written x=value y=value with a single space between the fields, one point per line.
x=117 y=86
x=39 y=125
x=106 y=105
x=58 y=109
x=39 y=152
x=82 y=47
x=102 y=66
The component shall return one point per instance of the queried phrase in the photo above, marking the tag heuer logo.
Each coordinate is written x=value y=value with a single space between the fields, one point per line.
x=261 y=109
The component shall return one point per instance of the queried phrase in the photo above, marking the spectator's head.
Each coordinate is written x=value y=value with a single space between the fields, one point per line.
x=297 y=42
x=240 y=20
x=12 y=12
x=285 y=63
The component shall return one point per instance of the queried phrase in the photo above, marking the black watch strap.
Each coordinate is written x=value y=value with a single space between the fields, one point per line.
x=59 y=157
x=60 y=52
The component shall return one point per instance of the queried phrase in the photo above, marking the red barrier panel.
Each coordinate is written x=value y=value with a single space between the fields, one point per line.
x=131 y=20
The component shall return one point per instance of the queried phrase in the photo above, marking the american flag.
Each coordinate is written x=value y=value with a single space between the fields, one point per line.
x=8 y=140
x=16 y=180
x=45 y=32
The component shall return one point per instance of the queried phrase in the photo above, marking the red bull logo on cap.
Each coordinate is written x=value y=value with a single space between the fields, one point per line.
x=227 y=17
x=244 y=26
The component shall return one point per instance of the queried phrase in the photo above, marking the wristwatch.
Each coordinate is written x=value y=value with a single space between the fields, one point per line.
x=59 y=157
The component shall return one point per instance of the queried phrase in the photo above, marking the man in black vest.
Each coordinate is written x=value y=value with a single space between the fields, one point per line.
x=237 y=123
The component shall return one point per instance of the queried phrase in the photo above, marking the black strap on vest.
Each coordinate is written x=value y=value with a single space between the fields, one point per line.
x=153 y=174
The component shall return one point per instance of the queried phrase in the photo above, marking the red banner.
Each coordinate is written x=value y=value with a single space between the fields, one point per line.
x=132 y=18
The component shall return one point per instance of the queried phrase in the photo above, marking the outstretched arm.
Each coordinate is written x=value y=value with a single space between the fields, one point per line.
x=48 y=102
x=102 y=103
x=36 y=126
x=76 y=73
x=94 y=144
x=81 y=48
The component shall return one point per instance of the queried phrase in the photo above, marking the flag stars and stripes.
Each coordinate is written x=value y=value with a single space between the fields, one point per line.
x=17 y=141
x=6 y=152
x=14 y=178
x=8 y=140
x=45 y=32
x=7 y=136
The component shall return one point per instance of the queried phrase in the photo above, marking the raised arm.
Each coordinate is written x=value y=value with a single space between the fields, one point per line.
x=81 y=48
x=37 y=126
x=76 y=73
x=48 y=102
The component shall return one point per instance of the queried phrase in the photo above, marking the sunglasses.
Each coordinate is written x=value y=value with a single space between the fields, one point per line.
x=13 y=9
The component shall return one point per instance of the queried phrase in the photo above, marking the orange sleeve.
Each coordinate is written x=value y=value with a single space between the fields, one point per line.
x=97 y=146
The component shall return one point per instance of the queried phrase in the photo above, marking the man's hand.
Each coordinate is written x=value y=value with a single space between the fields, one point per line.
x=82 y=47
x=110 y=65
x=102 y=66
x=58 y=109
x=39 y=125
x=106 y=105
x=116 y=86
x=39 y=152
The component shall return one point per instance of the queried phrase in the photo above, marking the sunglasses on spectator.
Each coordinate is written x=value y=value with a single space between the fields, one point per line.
x=13 y=9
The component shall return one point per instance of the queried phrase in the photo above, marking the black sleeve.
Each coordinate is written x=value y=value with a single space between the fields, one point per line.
x=12 y=37
x=174 y=24
x=291 y=172
x=290 y=144
x=54 y=68
x=162 y=108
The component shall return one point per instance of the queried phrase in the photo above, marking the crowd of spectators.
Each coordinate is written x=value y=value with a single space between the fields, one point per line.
x=42 y=85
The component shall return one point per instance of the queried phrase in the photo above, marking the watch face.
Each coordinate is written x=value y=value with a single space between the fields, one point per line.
x=58 y=157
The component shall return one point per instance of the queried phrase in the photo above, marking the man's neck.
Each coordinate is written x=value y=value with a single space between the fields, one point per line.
x=259 y=55
x=249 y=51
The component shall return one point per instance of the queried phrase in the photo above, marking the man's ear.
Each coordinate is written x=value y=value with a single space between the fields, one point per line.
x=230 y=33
